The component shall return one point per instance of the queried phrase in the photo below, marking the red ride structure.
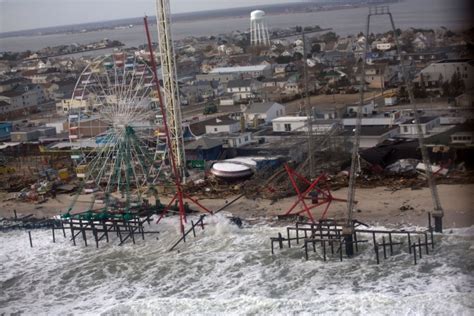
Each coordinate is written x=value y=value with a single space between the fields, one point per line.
x=180 y=195
x=317 y=191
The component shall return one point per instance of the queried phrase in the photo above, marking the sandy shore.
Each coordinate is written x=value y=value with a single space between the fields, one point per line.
x=376 y=206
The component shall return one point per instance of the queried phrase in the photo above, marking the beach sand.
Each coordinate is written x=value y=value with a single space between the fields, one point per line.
x=376 y=206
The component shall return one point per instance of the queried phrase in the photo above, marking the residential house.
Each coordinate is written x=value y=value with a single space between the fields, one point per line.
x=50 y=89
x=243 y=89
x=4 y=67
x=5 y=130
x=465 y=99
x=378 y=76
x=221 y=124
x=427 y=124
x=200 y=91
x=299 y=50
x=329 y=112
x=330 y=46
x=344 y=45
x=66 y=106
x=234 y=140
x=204 y=148
x=245 y=71
x=221 y=78
x=385 y=46
x=229 y=49
x=445 y=69
x=370 y=136
x=358 y=49
x=22 y=99
x=383 y=119
x=333 y=57
x=32 y=134
x=262 y=113
x=425 y=57
x=292 y=88
x=423 y=41
x=462 y=138
x=299 y=124
x=8 y=84
x=275 y=82
x=290 y=124
x=280 y=70
x=367 y=109
x=332 y=76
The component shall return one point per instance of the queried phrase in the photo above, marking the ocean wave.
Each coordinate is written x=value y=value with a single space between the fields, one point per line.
x=227 y=270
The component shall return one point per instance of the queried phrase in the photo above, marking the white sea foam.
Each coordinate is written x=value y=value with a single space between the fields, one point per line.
x=227 y=270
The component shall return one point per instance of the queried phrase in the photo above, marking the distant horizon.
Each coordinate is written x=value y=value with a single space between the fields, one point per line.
x=409 y=13
x=152 y=17
x=16 y=16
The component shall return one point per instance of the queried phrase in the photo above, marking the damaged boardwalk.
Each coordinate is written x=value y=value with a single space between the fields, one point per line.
x=327 y=238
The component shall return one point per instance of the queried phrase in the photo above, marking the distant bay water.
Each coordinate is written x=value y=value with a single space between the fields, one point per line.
x=454 y=14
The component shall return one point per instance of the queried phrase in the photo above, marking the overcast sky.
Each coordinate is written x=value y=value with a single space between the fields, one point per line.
x=30 y=14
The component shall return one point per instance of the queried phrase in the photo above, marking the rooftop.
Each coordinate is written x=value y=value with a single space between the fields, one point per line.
x=199 y=128
x=291 y=119
x=4 y=103
x=423 y=120
x=260 y=107
x=460 y=60
x=237 y=83
x=368 y=130
x=221 y=70
x=203 y=143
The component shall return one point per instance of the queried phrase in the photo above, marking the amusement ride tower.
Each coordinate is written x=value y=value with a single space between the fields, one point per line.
x=170 y=84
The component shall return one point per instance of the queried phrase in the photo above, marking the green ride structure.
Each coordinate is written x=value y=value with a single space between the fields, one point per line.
x=116 y=146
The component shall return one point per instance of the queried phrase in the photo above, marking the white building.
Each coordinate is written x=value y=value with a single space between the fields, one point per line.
x=222 y=124
x=427 y=123
x=21 y=99
x=387 y=118
x=65 y=106
x=384 y=46
x=243 y=89
x=290 y=124
x=244 y=71
x=462 y=138
x=446 y=69
x=371 y=136
x=237 y=140
x=263 y=113
x=300 y=124
x=367 y=109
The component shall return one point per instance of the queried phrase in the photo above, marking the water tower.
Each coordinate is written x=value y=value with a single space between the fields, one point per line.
x=258 y=29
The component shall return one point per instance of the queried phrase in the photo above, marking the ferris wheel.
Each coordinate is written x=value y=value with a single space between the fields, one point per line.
x=112 y=130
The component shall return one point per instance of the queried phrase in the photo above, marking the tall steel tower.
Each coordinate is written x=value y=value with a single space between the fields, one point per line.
x=170 y=84
x=258 y=29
